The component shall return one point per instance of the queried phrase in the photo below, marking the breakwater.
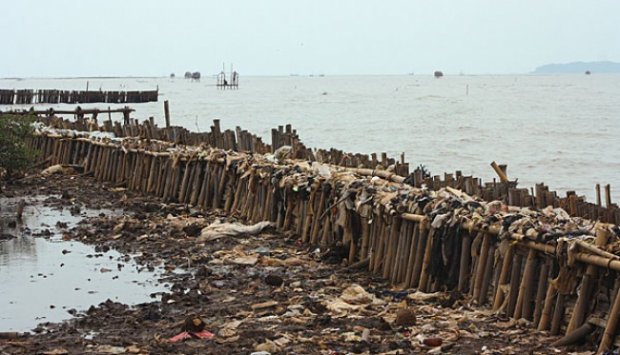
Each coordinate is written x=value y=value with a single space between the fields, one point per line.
x=29 y=96
x=241 y=140
x=556 y=271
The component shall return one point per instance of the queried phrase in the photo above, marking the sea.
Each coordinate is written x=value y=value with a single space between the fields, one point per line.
x=563 y=130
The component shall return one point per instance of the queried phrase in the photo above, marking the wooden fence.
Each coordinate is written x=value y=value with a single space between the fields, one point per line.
x=558 y=272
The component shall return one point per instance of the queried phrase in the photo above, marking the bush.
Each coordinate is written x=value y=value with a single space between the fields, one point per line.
x=15 y=156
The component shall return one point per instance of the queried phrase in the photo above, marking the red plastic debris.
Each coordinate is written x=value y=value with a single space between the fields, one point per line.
x=205 y=334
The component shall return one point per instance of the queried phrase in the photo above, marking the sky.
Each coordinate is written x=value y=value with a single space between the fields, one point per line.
x=281 y=37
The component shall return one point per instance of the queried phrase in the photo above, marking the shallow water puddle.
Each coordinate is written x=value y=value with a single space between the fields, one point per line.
x=47 y=279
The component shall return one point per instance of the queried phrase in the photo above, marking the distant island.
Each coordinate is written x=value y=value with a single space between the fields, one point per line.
x=579 y=67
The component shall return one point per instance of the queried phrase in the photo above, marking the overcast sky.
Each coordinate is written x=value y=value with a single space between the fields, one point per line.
x=281 y=37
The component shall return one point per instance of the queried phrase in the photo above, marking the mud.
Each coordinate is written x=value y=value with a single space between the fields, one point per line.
x=46 y=278
x=255 y=293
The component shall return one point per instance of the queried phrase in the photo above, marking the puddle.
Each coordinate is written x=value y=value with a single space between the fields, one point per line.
x=44 y=279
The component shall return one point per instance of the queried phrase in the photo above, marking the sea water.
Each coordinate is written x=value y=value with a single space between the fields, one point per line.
x=563 y=130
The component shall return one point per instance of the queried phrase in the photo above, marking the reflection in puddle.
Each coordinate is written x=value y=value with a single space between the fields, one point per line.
x=48 y=279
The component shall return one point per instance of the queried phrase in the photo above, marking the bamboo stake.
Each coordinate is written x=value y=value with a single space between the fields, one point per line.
x=482 y=260
x=503 y=277
x=488 y=274
x=404 y=251
x=612 y=326
x=348 y=231
x=326 y=235
x=412 y=254
x=258 y=202
x=305 y=233
x=522 y=310
x=514 y=284
x=540 y=291
x=558 y=314
x=217 y=203
x=424 y=276
x=390 y=247
x=197 y=185
x=419 y=258
x=184 y=181
x=499 y=172
x=464 y=269
x=545 y=317
x=587 y=283
x=372 y=247
x=380 y=238
x=400 y=251
x=268 y=208
x=314 y=235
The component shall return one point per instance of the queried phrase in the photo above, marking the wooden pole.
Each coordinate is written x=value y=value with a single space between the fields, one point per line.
x=167 y=113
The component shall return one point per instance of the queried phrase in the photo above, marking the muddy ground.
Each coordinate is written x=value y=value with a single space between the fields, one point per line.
x=264 y=292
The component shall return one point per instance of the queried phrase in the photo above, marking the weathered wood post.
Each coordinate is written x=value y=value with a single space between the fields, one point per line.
x=167 y=113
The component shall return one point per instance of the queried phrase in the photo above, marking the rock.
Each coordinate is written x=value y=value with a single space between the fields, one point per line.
x=192 y=230
x=274 y=280
x=405 y=318
x=193 y=324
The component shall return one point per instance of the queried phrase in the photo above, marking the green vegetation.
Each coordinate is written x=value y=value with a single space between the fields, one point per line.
x=15 y=156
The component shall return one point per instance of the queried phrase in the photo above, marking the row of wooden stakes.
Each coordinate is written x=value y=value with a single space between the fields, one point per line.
x=53 y=96
x=244 y=141
x=518 y=277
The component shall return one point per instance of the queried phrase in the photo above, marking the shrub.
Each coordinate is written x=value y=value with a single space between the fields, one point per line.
x=15 y=156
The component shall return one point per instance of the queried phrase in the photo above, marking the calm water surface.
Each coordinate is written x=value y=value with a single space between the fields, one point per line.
x=42 y=279
x=563 y=130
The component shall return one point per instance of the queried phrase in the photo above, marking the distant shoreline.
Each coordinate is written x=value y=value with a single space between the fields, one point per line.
x=448 y=75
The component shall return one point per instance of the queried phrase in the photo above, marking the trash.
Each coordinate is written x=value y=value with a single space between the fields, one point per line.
x=260 y=353
x=434 y=342
x=193 y=328
x=218 y=230
x=263 y=305
x=355 y=294
x=268 y=346
x=245 y=260
x=57 y=351
x=109 y=349
x=405 y=317
x=58 y=169
x=187 y=335
x=353 y=298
